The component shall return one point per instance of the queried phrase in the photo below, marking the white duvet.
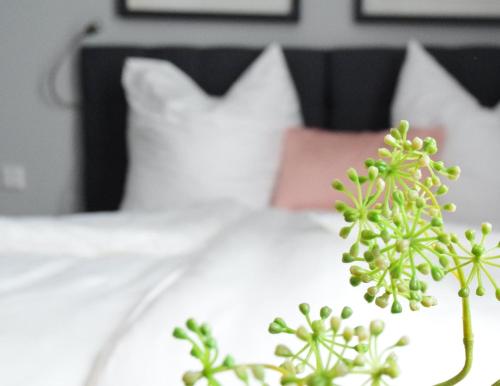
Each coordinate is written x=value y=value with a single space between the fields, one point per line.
x=91 y=300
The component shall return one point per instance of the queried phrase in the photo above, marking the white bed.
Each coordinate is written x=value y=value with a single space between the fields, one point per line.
x=91 y=300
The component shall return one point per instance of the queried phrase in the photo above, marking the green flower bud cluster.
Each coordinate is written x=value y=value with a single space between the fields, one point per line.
x=475 y=261
x=395 y=219
x=328 y=350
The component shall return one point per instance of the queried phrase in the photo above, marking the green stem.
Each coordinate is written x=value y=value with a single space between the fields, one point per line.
x=468 y=336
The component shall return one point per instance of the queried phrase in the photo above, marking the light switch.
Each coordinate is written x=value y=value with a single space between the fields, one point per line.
x=14 y=177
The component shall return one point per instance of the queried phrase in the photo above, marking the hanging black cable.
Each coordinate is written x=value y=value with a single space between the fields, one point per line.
x=51 y=91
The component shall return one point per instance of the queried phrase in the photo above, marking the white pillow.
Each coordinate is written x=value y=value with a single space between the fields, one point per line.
x=188 y=147
x=428 y=96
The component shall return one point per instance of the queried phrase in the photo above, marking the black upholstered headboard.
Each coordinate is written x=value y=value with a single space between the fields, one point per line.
x=340 y=89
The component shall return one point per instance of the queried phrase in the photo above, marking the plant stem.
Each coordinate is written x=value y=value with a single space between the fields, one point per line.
x=467 y=332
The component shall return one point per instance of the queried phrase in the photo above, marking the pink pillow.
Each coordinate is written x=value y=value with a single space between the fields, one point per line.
x=313 y=158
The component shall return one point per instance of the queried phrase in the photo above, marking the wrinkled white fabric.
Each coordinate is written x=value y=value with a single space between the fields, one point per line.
x=67 y=320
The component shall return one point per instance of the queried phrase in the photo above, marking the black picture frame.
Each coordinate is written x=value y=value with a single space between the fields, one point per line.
x=292 y=17
x=362 y=17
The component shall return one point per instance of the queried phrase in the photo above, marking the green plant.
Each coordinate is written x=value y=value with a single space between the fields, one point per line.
x=395 y=218
x=327 y=351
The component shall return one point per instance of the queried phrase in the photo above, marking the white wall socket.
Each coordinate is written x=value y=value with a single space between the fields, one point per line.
x=13 y=177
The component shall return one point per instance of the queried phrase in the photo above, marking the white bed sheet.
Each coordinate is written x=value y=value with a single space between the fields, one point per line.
x=91 y=300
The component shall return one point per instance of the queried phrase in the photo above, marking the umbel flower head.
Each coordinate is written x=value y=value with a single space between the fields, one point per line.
x=394 y=214
x=328 y=350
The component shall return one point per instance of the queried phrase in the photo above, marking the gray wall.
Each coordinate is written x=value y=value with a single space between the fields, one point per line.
x=43 y=138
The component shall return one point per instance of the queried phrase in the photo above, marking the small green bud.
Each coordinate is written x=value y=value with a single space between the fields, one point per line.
x=346 y=313
x=497 y=294
x=229 y=361
x=453 y=173
x=340 y=206
x=210 y=343
x=477 y=250
x=303 y=334
x=414 y=284
x=423 y=286
x=390 y=140
x=398 y=197
x=415 y=295
x=429 y=301
x=304 y=309
x=384 y=153
x=403 y=341
x=258 y=373
x=444 y=238
x=337 y=185
x=438 y=248
x=443 y=260
x=369 y=257
x=335 y=323
x=205 y=329
x=372 y=173
x=470 y=235
x=382 y=301
x=437 y=273
x=339 y=370
x=352 y=174
x=275 y=328
x=381 y=263
x=402 y=245
x=380 y=184
x=359 y=361
x=325 y=312
x=403 y=128
x=241 y=373
x=486 y=228
x=373 y=216
x=437 y=222
x=420 y=203
x=344 y=232
x=395 y=133
x=480 y=291
x=450 y=207
x=442 y=190
x=454 y=238
x=463 y=292
x=396 y=307
x=192 y=325
x=417 y=143
x=361 y=348
x=369 y=162
x=430 y=146
x=355 y=281
x=351 y=215
x=283 y=351
x=354 y=250
x=369 y=298
x=179 y=333
x=377 y=327
x=396 y=270
x=196 y=352
x=281 y=322
x=368 y=235
x=385 y=235
x=347 y=334
x=414 y=306
x=191 y=377
x=347 y=258
x=373 y=290
x=438 y=166
x=361 y=333
x=356 y=270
